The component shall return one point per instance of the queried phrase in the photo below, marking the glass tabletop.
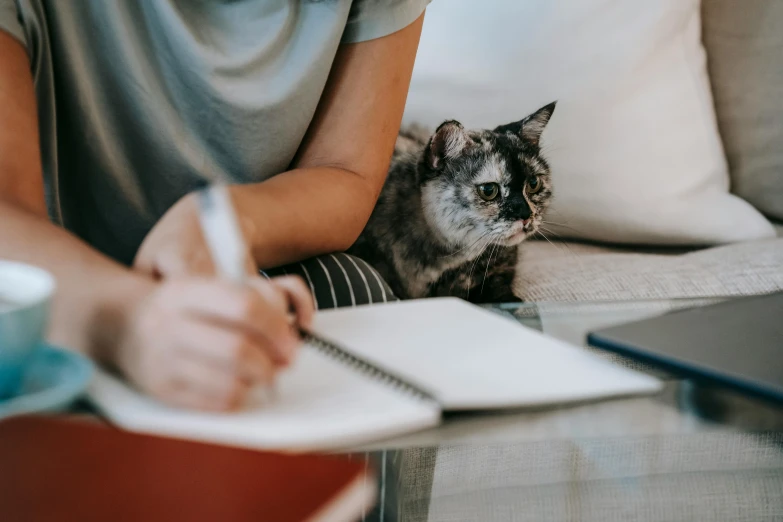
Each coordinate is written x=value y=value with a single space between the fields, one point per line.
x=690 y=453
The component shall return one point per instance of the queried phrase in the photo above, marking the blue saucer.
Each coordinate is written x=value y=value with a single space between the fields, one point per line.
x=54 y=379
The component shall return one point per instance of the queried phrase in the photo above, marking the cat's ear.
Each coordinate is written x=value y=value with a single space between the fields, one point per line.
x=448 y=142
x=531 y=128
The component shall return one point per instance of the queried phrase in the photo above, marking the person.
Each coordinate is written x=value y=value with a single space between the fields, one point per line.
x=115 y=112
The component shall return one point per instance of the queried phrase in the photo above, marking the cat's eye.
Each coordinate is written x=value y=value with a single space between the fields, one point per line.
x=488 y=191
x=534 y=185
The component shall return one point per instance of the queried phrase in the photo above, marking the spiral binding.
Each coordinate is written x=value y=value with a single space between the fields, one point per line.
x=342 y=356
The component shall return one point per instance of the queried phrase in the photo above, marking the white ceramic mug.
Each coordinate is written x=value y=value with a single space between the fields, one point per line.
x=25 y=295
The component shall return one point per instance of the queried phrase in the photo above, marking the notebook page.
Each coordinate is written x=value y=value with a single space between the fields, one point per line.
x=318 y=404
x=471 y=358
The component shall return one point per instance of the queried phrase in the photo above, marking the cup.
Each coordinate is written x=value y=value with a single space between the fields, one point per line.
x=25 y=296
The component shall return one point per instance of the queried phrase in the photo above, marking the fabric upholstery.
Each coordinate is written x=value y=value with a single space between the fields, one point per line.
x=584 y=272
x=745 y=56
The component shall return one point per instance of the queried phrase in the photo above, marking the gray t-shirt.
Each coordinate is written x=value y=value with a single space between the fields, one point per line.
x=143 y=101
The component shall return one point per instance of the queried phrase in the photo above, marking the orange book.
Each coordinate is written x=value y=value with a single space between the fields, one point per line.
x=56 y=468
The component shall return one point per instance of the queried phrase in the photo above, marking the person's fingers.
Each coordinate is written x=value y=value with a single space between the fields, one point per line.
x=208 y=367
x=270 y=293
x=228 y=350
x=168 y=264
x=211 y=379
x=256 y=364
x=299 y=297
x=199 y=263
x=250 y=266
x=242 y=307
x=187 y=396
x=143 y=264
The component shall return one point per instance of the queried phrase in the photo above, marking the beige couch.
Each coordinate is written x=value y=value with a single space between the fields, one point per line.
x=745 y=53
x=569 y=271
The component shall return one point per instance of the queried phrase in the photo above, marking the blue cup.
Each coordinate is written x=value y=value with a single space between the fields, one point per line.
x=25 y=294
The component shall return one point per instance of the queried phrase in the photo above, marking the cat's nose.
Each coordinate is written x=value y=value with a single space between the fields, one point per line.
x=521 y=209
x=527 y=221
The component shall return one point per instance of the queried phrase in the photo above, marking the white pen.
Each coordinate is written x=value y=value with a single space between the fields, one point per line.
x=222 y=233
x=224 y=238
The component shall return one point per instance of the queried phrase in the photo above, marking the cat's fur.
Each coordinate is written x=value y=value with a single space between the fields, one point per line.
x=432 y=234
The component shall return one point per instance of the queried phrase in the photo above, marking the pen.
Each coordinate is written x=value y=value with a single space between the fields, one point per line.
x=224 y=238
x=221 y=232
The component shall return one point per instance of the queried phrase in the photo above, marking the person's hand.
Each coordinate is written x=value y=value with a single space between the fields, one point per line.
x=204 y=343
x=176 y=246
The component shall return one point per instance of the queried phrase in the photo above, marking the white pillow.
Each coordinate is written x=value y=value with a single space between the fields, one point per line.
x=634 y=145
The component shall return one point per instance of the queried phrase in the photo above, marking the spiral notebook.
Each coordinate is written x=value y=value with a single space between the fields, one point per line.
x=377 y=371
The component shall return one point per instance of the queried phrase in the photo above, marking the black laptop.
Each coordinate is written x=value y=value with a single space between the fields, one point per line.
x=736 y=343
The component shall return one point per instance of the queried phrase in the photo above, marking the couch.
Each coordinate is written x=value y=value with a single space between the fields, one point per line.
x=461 y=72
x=578 y=271
x=745 y=62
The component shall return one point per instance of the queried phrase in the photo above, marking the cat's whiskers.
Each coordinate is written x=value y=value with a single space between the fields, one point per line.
x=541 y=232
x=565 y=225
x=549 y=231
x=464 y=248
x=495 y=248
x=490 y=239
x=547 y=222
x=548 y=148
x=477 y=249
x=543 y=229
x=558 y=236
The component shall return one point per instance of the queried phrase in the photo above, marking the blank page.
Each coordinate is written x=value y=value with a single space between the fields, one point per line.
x=318 y=404
x=472 y=358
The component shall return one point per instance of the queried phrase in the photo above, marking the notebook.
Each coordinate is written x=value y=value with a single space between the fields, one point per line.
x=377 y=371
x=65 y=469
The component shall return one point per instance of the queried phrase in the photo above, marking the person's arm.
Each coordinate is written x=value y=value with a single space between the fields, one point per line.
x=26 y=234
x=324 y=202
x=193 y=342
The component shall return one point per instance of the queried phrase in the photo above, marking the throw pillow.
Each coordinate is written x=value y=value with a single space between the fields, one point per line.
x=745 y=50
x=633 y=144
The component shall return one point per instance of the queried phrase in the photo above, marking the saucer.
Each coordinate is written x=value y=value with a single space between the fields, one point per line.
x=54 y=379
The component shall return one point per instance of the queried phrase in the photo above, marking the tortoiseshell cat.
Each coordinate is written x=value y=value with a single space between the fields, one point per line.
x=455 y=208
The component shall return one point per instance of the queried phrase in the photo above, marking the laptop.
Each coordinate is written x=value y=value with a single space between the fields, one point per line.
x=736 y=343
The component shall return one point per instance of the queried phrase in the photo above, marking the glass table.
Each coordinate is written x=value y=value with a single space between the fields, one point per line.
x=689 y=454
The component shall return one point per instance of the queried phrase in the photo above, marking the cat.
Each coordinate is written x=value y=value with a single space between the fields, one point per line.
x=456 y=206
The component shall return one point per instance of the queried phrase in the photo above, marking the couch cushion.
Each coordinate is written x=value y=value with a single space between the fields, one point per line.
x=745 y=54
x=580 y=272
x=634 y=145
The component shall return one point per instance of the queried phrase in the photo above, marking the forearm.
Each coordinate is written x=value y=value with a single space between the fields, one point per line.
x=303 y=213
x=324 y=203
x=90 y=287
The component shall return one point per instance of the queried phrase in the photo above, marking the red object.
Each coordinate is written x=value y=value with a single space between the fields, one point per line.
x=78 y=470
